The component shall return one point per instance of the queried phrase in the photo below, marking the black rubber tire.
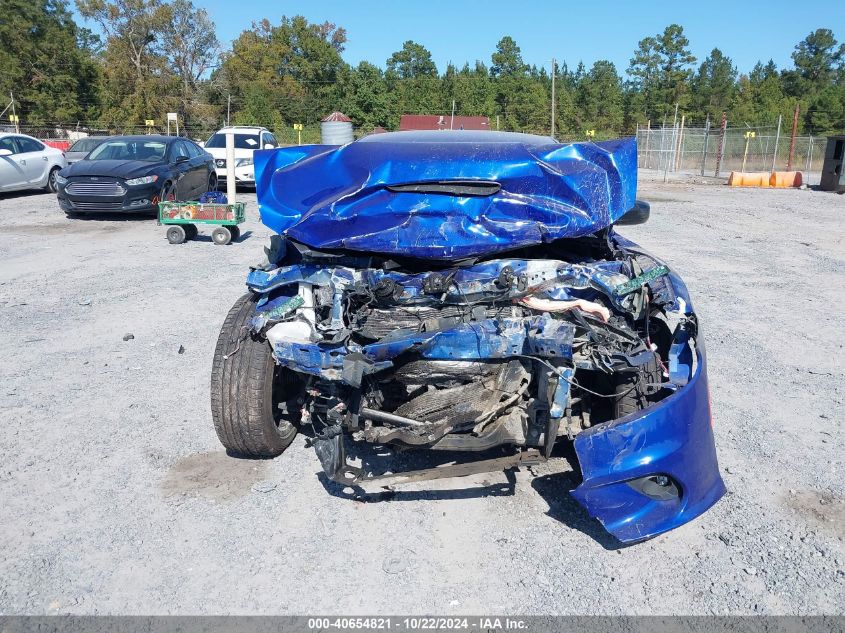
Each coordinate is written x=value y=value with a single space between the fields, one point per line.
x=212 y=182
x=191 y=231
x=176 y=234
x=168 y=193
x=52 y=185
x=221 y=236
x=243 y=378
x=235 y=231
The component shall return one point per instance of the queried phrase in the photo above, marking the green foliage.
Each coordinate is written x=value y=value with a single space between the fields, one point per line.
x=713 y=86
x=661 y=70
x=158 y=56
x=599 y=98
x=41 y=59
x=412 y=62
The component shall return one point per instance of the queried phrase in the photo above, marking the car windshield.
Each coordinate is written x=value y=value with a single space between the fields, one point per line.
x=85 y=145
x=150 y=151
x=242 y=141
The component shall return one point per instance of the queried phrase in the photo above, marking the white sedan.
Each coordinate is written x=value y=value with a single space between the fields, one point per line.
x=27 y=163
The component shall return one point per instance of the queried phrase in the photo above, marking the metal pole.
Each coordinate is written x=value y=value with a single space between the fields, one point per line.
x=230 y=167
x=554 y=72
x=497 y=122
x=647 y=140
x=674 y=148
x=745 y=154
x=792 y=139
x=722 y=134
x=228 y=108
x=452 y=120
x=777 y=139
x=809 y=159
x=706 y=138
x=680 y=151
x=14 y=114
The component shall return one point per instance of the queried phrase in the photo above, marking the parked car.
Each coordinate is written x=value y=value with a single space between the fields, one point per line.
x=247 y=140
x=27 y=163
x=82 y=147
x=134 y=173
x=467 y=291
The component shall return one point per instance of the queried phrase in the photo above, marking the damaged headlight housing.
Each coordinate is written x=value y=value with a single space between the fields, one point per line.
x=144 y=180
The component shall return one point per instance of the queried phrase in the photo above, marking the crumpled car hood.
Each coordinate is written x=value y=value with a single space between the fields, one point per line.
x=331 y=197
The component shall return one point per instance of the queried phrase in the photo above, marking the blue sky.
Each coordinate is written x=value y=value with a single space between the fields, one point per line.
x=460 y=31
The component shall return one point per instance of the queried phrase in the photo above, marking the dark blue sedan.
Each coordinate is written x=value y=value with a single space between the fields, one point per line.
x=134 y=174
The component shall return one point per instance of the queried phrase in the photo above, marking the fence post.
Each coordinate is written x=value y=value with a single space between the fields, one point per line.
x=647 y=141
x=721 y=149
x=706 y=138
x=777 y=138
x=792 y=139
x=809 y=159
x=679 y=153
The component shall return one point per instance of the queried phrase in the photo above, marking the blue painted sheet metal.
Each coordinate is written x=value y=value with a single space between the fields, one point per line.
x=673 y=437
x=338 y=197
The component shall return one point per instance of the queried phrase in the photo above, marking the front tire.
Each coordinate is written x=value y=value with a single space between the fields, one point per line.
x=52 y=186
x=247 y=387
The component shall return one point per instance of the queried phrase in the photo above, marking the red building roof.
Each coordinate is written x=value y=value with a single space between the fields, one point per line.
x=443 y=122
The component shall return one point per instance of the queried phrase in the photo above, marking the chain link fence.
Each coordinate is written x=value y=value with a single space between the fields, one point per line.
x=711 y=151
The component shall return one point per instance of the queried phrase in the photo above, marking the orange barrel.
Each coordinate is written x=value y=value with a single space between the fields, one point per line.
x=786 y=179
x=749 y=179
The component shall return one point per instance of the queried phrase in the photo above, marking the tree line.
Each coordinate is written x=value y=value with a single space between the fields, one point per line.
x=155 y=56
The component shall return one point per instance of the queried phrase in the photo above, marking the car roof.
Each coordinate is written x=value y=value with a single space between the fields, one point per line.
x=5 y=134
x=242 y=129
x=148 y=137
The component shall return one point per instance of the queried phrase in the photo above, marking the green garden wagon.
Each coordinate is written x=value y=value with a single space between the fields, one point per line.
x=182 y=218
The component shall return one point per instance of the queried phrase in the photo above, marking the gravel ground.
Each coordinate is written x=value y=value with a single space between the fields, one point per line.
x=117 y=498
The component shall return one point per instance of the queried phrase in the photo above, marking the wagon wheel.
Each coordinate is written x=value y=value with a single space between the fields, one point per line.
x=191 y=231
x=176 y=234
x=221 y=235
x=235 y=231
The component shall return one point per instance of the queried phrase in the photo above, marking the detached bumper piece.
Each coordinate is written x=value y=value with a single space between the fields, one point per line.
x=653 y=471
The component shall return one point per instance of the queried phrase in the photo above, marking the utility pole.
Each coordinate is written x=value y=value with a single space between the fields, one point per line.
x=792 y=139
x=452 y=120
x=777 y=138
x=228 y=108
x=554 y=72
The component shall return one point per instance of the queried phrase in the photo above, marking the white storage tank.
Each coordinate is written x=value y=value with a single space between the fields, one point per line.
x=336 y=129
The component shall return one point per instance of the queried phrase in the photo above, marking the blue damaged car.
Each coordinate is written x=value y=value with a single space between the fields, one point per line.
x=468 y=292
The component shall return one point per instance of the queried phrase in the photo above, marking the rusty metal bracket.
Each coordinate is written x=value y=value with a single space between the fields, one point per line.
x=523 y=458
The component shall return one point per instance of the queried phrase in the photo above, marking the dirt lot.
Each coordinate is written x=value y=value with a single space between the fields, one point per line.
x=117 y=498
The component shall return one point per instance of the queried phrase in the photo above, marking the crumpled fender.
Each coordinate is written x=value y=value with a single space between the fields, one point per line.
x=340 y=197
x=673 y=437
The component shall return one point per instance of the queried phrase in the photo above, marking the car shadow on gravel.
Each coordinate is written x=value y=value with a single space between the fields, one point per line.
x=379 y=459
x=112 y=217
x=555 y=489
x=25 y=193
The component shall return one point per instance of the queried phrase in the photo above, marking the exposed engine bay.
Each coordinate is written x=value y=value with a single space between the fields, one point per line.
x=520 y=349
